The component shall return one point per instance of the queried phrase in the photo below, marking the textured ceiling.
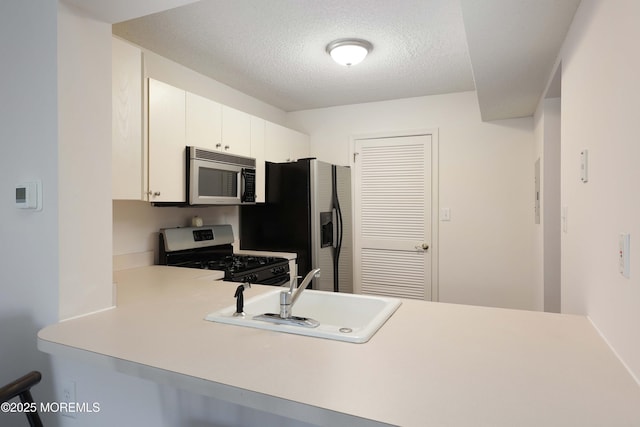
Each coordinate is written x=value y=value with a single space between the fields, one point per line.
x=275 y=50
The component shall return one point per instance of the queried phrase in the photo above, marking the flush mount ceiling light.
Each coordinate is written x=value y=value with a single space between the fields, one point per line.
x=349 y=51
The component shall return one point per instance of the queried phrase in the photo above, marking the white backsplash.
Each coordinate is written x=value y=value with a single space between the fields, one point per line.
x=136 y=224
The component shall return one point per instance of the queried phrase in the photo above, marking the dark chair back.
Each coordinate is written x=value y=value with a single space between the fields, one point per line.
x=22 y=388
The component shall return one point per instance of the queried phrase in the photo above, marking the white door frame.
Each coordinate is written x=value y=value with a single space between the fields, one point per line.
x=435 y=209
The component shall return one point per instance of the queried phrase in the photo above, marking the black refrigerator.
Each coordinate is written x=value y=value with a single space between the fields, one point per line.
x=307 y=211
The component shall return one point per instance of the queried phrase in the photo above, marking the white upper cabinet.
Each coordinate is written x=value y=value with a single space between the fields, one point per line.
x=257 y=152
x=285 y=145
x=127 y=144
x=149 y=138
x=203 y=122
x=167 y=142
x=236 y=131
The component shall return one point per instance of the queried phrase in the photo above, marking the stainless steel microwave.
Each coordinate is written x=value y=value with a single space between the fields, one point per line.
x=215 y=178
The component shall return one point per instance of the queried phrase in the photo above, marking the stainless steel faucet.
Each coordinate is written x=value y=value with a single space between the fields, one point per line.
x=289 y=298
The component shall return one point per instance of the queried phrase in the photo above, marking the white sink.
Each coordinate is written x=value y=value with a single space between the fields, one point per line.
x=343 y=317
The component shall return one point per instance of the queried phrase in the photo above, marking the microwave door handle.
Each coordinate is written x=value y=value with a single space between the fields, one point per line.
x=242 y=185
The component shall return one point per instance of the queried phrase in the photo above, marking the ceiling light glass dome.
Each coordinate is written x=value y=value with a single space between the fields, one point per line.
x=349 y=52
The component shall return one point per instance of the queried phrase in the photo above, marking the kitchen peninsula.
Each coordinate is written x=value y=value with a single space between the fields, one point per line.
x=430 y=364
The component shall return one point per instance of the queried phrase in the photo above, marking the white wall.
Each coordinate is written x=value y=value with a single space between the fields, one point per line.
x=537 y=259
x=486 y=179
x=28 y=150
x=551 y=205
x=600 y=112
x=547 y=246
x=84 y=117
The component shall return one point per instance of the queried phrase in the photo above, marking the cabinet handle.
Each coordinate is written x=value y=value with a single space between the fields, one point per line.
x=218 y=145
x=156 y=193
x=226 y=147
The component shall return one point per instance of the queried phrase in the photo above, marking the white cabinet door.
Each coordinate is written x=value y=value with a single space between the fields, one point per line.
x=167 y=143
x=203 y=122
x=126 y=132
x=284 y=145
x=257 y=152
x=236 y=131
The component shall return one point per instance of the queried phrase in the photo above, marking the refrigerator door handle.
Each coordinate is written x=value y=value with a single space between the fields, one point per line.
x=334 y=221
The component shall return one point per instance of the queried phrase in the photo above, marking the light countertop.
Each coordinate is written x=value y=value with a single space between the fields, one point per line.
x=430 y=364
x=287 y=255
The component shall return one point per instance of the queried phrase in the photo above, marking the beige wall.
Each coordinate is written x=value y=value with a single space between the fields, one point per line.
x=486 y=179
x=600 y=112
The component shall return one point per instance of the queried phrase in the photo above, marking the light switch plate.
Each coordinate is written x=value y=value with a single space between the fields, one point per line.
x=624 y=246
x=584 y=165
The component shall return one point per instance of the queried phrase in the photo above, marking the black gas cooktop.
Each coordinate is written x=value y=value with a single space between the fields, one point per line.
x=208 y=248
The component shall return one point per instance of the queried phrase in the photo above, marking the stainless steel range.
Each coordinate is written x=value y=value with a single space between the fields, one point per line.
x=210 y=247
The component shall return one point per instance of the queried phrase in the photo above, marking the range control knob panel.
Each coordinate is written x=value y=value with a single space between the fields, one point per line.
x=279 y=269
x=250 y=278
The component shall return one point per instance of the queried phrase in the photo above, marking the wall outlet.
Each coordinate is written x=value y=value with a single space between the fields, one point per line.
x=68 y=394
x=624 y=258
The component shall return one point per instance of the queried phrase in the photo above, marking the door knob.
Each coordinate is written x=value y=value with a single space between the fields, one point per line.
x=423 y=247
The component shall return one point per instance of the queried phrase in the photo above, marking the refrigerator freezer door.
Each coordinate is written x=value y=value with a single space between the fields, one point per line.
x=321 y=205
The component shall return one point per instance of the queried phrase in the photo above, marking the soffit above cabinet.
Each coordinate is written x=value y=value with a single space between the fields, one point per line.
x=113 y=11
x=275 y=51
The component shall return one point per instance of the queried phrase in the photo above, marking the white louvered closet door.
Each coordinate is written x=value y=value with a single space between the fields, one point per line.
x=393 y=216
